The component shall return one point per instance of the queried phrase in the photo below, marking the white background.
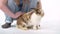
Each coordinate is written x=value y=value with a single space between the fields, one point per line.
x=50 y=24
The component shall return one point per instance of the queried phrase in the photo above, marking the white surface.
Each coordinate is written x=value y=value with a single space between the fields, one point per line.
x=50 y=24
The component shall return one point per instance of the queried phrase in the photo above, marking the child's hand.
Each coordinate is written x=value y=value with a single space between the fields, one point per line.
x=18 y=14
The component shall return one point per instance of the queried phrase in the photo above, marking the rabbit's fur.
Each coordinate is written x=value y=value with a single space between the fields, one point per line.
x=28 y=20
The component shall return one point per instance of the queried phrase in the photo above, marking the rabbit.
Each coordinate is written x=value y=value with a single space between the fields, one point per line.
x=30 y=20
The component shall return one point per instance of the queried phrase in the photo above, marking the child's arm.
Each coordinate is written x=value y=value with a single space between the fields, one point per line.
x=7 y=11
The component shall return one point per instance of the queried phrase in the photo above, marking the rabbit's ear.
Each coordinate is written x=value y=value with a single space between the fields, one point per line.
x=39 y=4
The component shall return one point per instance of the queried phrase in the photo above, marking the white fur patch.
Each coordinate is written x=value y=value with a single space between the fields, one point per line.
x=35 y=19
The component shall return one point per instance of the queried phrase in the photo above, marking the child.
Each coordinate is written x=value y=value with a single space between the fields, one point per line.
x=13 y=9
